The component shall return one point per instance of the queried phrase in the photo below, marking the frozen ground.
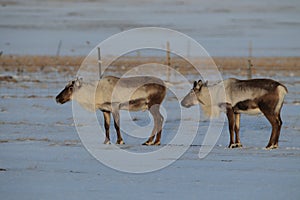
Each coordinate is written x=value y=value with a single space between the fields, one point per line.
x=41 y=156
x=224 y=28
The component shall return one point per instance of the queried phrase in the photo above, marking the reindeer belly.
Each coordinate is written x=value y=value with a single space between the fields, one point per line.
x=135 y=105
x=248 y=106
x=133 y=94
x=251 y=111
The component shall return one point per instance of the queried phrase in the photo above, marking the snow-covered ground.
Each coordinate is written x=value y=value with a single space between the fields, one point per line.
x=42 y=157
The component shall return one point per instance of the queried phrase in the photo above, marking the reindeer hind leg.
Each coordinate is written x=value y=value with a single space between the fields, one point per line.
x=116 y=116
x=157 y=129
x=159 y=122
x=275 y=123
x=279 y=121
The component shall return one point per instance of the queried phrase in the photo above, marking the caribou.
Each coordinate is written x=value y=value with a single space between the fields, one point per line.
x=112 y=94
x=235 y=97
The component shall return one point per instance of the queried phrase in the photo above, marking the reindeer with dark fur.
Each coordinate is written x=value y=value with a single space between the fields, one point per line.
x=241 y=96
x=111 y=94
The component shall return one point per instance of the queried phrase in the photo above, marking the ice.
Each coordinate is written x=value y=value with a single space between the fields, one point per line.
x=41 y=155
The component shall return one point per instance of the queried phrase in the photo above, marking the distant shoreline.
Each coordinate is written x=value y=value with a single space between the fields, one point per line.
x=29 y=63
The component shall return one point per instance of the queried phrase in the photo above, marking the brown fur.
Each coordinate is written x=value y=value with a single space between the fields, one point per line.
x=245 y=96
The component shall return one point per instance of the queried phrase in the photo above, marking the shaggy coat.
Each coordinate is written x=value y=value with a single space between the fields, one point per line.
x=234 y=97
x=111 y=94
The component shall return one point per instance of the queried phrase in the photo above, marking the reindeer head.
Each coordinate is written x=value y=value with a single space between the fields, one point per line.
x=195 y=95
x=67 y=93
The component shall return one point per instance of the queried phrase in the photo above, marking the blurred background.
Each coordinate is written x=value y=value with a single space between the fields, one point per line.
x=224 y=28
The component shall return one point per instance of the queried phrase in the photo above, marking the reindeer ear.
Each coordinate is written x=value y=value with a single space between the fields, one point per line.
x=195 y=84
x=206 y=83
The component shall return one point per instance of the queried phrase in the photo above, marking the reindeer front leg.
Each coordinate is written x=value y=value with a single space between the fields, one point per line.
x=116 y=117
x=230 y=117
x=237 y=117
x=106 y=116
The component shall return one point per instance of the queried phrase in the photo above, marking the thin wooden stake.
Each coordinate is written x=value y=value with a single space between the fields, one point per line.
x=249 y=74
x=250 y=49
x=249 y=69
x=58 y=48
x=99 y=63
x=168 y=60
x=168 y=55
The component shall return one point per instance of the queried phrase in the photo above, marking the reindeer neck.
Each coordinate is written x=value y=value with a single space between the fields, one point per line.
x=85 y=96
x=205 y=96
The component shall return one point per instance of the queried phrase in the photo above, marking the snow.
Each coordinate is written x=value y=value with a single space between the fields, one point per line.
x=41 y=155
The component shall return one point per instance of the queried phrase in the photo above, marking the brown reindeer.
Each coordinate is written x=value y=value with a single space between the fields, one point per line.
x=241 y=96
x=111 y=94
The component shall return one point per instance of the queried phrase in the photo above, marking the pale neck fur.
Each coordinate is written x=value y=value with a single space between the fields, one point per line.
x=212 y=96
x=85 y=96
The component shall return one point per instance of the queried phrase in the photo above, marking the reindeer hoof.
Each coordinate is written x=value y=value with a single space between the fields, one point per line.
x=157 y=143
x=236 y=145
x=106 y=142
x=273 y=146
x=148 y=143
x=120 y=142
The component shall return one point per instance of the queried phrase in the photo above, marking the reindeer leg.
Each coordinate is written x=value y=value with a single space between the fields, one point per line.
x=237 y=130
x=230 y=117
x=116 y=116
x=275 y=122
x=151 y=138
x=159 y=122
x=153 y=111
x=106 y=116
x=279 y=121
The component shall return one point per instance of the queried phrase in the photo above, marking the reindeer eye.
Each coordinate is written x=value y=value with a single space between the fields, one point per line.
x=71 y=88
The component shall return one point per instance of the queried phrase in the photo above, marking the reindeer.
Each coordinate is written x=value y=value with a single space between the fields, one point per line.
x=111 y=94
x=241 y=96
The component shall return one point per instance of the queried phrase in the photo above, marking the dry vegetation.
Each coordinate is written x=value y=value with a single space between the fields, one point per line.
x=225 y=64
